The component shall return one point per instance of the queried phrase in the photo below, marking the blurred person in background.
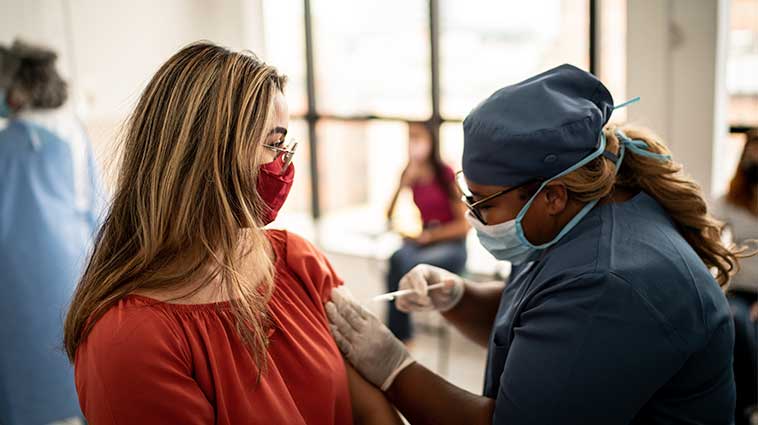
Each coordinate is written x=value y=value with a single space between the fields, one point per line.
x=50 y=200
x=189 y=312
x=739 y=209
x=443 y=240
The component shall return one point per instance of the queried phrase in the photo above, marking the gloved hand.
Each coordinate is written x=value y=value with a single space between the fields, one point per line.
x=365 y=342
x=419 y=279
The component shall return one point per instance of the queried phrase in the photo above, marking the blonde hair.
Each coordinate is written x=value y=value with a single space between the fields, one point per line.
x=678 y=194
x=186 y=210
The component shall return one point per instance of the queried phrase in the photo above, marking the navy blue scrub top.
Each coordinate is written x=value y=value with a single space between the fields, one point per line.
x=619 y=323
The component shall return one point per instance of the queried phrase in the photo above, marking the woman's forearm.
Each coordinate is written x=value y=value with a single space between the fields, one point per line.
x=475 y=313
x=425 y=398
x=393 y=201
x=454 y=230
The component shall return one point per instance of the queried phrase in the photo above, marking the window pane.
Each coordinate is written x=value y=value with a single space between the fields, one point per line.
x=742 y=64
x=372 y=57
x=359 y=168
x=285 y=47
x=360 y=163
x=487 y=44
x=611 y=65
x=451 y=144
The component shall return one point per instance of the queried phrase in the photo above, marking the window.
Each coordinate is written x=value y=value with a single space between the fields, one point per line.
x=742 y=64
x=487 y=44
x=372 y=58
x=611 y=47
x=361 y=71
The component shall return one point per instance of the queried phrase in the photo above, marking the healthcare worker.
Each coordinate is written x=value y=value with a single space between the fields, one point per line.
x=613 y=316
x=49 y=203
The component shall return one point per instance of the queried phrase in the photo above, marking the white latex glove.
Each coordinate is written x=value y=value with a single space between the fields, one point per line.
x=419 y=279
x=365 y=342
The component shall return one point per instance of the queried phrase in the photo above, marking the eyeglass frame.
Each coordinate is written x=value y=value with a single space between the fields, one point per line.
x=287 y=152
x=472 y=205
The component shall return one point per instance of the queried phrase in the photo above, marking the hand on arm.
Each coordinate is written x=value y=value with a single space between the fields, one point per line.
x=421 y=396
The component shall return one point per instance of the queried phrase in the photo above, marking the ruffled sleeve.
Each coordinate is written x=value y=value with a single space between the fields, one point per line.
x=310 y=265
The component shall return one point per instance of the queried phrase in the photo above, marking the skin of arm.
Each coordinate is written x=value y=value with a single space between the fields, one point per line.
x=400 y=186
x=425 y=398
x=456 y=229
x=475 y=313
x=370 y=405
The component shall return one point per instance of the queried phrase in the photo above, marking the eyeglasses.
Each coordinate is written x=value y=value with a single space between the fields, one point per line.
x=468 y=197
x=286 y=149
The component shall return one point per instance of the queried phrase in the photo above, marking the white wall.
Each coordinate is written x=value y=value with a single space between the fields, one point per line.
x=675 y=62
x=109 y=49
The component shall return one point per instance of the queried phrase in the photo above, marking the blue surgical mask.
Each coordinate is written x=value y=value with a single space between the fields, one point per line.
x=501 y=240
x=5 y=109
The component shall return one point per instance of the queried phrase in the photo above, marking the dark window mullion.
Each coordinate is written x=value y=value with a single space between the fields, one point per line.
x=311 y=115
x=434 y=25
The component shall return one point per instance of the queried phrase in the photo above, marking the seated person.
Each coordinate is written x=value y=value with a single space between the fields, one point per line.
x=188 y=311
x=739 y=209
x=443 y=241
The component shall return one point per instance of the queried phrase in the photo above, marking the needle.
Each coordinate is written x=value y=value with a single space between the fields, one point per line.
x=389 y=296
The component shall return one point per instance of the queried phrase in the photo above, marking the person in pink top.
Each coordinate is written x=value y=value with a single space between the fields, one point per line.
x=443 y=241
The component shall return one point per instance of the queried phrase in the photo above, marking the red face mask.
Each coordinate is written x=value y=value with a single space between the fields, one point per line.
x=274 y=186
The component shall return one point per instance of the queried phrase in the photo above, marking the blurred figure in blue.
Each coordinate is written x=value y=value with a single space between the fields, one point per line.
x=739 y=209
x=49 y=208
x=443 y=241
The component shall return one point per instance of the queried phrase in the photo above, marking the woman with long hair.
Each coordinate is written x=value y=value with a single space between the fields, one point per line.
x=616 y=314
x=739 y=210
x=188 y=311
x=443 y=240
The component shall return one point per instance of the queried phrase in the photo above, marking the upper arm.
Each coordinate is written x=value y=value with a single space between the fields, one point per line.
x=589 y=352
x=138 y=376
x=312 y=267
x=370 y=406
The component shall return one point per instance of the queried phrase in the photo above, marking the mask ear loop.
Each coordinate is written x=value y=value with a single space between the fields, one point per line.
x=639 y=147
x=580 y=215
x=520 y=229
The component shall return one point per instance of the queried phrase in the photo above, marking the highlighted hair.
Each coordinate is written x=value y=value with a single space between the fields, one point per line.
x=677 y=193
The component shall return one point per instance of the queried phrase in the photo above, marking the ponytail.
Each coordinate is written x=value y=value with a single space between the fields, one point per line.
x=677 y=193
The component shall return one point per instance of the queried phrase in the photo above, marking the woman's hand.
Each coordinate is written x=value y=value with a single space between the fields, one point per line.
x=423 y=239
x=365 y=342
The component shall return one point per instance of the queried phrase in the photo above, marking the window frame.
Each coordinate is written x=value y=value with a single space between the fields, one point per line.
x=312 y=117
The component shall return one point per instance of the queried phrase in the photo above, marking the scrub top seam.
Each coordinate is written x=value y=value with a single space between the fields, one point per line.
x=703 y=318
x=659 y=317
x=587 y=329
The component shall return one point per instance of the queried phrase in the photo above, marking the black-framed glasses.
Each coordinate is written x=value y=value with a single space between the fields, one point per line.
x=468 y=197
x=286 y=148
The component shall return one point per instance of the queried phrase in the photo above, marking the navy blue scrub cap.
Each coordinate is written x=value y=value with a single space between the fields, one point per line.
x=536 y=128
